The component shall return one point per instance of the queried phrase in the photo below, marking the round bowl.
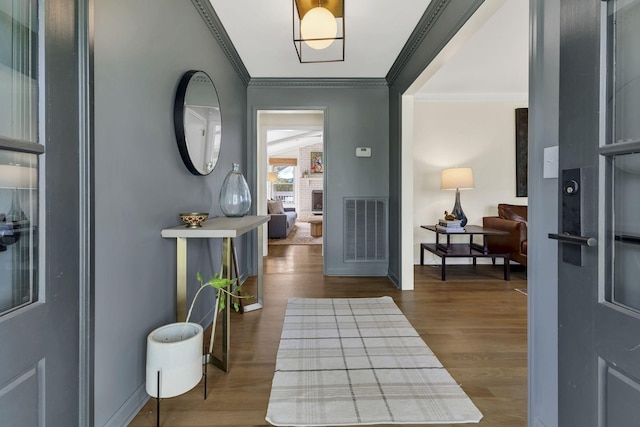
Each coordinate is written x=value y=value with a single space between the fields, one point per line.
x=194 y=219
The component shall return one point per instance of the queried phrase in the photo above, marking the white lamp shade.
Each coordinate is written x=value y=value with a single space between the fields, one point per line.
x=175 y=350
x=12 y=176
x=457 y=179
x=318 y=23
x=272 y=176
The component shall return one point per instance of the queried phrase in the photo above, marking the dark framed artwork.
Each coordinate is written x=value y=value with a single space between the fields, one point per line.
x=522 y=151
x=316 y=162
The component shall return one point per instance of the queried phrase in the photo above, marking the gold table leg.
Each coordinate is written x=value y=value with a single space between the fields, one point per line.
x=181 y=279
x=258 y=304
x=227 y=272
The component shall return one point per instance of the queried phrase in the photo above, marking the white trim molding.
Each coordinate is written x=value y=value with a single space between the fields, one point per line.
x=517 y=97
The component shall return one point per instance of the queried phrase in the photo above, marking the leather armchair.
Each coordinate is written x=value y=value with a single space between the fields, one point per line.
x=512 y=219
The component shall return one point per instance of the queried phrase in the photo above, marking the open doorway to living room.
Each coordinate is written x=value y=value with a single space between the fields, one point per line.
x=292 y=162
x=467 y=112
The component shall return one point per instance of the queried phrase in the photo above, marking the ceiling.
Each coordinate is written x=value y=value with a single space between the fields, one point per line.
x=286 y=142
x=375 y=32
x=491 y=64
x=493 y=60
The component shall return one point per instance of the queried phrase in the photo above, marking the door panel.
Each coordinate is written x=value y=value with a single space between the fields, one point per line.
x=28 y=391
x=39 y=331
x=623 y=395
x=599 y=298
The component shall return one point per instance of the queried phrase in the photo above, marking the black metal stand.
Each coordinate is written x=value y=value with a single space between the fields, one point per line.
x=205 y=379
x=158 y=393
x=158 y=402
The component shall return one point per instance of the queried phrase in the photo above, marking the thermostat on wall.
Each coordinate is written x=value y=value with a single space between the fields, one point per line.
x=363 y=151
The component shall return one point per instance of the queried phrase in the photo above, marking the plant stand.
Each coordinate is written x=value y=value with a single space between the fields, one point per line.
x=158 y=399
x=174 y=360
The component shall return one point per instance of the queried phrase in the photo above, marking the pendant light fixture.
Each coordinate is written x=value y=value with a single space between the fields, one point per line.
x=318 y=30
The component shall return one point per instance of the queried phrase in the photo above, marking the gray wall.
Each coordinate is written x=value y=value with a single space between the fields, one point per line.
x=142 y=48
x=356 y=115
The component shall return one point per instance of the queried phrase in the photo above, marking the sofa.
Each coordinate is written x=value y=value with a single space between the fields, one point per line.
x=513 y=219
x=281 y=220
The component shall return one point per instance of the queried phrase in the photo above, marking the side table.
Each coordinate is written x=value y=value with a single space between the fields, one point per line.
x=463 y=250
x=316 y=226
x=227 y=229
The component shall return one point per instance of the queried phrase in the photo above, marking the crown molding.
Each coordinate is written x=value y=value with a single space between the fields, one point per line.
x=314 y=82
x=431 y=15
x=515 y=97
x=210 y=17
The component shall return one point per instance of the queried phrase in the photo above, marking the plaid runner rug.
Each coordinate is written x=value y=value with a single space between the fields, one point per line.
x=358 y=361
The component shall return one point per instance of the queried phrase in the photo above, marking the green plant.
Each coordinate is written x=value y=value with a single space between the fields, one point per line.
x=222 y=286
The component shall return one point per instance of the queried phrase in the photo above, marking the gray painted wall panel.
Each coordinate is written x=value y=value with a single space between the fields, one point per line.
x=141 y=50
x=356 y=116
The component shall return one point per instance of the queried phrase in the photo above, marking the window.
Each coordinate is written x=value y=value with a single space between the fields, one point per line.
x=283 y=187
x=18 y=153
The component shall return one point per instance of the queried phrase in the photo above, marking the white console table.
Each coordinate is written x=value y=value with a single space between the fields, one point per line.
x=227 y=229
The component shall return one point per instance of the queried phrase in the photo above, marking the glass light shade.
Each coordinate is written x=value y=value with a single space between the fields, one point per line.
x=318 y=23
x=457 y=179
x=272 y=176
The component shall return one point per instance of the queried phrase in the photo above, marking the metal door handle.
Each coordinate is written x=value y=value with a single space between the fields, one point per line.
x=576 y=240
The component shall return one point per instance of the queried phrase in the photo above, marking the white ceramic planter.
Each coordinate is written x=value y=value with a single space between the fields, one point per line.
x=176 y=351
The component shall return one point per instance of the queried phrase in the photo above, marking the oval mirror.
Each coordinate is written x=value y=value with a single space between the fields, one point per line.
x=198 y=122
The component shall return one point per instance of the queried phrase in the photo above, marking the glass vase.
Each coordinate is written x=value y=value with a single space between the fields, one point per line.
x=235 y=198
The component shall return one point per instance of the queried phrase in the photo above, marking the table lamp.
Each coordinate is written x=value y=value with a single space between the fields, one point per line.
x=457 y=179
x=271 y=178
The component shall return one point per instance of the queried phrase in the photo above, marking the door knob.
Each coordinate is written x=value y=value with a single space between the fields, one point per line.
x=571 y=187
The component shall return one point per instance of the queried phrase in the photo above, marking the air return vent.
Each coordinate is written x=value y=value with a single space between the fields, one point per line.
x=365 y=230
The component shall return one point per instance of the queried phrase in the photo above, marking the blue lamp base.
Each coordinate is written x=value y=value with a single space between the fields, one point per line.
x=457 y=210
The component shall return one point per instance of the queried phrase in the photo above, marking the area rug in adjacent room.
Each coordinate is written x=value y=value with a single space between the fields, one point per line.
x=300 y=235
x=358 y=361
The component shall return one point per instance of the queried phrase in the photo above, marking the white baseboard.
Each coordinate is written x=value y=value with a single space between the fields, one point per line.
x=129 y=408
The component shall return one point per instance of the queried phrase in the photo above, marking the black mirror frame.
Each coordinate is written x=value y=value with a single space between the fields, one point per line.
x=178 y=120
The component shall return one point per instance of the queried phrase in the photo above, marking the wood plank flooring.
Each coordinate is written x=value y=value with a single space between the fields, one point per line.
x=474 y=322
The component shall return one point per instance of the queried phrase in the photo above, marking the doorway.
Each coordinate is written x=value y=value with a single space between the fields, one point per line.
x=443 y=124
x=447 y=122
x=290 y=176
x=543 y=212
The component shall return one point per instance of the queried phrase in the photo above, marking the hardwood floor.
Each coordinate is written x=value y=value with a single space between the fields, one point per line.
x=475 y=323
